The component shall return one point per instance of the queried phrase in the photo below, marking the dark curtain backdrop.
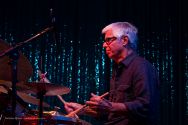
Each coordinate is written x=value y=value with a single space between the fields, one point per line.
x=72 y=54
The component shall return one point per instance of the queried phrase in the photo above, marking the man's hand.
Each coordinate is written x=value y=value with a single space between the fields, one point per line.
x=71 y=106
x=97 y=103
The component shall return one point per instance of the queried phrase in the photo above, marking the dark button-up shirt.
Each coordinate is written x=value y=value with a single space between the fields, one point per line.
x=135 y=83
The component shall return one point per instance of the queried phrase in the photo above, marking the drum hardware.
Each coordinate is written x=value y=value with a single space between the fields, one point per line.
x=41 y=89
x=16 y=68
x=49 y=89
x=13 y=55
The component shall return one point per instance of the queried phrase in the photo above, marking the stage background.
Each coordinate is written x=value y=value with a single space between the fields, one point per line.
x=73 y=56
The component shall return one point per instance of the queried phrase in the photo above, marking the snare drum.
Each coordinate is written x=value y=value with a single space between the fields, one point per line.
x=62 y=120
x=49 y=118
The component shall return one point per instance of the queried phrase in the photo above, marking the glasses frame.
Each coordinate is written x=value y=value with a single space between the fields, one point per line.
x=109 y=40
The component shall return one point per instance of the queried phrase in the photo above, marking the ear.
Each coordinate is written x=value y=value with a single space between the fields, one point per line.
x=125 y=40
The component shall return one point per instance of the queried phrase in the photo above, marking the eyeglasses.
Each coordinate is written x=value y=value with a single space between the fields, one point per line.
x=109 y=40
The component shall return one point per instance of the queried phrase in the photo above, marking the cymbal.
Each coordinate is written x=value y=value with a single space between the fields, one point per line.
x=49 y=89
x=3 y=90
x=6 y=85
x=30 y=99
x=24 y=67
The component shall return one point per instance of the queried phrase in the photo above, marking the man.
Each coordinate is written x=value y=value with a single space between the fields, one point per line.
x=134 y=87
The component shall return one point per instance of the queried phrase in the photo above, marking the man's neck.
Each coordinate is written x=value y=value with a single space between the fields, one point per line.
x=123 y=55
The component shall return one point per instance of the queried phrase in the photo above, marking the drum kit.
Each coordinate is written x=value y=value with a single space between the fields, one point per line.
x=16 y=93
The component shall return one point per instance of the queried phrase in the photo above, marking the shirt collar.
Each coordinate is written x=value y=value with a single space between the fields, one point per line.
x=128 y=59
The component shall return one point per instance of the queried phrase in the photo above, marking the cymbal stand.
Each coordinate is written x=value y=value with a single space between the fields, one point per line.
x=41 y=97
x=14 y=56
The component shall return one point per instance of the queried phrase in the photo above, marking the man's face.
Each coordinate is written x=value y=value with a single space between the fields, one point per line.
x=113 y=45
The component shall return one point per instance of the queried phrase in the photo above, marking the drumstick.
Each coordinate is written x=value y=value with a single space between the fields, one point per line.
x=64 y=102
x=78 y=110
x=103 y=95
x=61 y=99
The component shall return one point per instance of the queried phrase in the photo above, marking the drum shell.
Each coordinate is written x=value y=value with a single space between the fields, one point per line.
x=49 y=120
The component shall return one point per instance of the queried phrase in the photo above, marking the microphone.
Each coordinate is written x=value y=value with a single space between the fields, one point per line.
x=52 y=17
x=54 y=25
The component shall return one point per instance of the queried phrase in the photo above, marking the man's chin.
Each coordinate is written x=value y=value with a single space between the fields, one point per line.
x=110 y=56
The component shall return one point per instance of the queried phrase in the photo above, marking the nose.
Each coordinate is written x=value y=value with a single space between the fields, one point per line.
x=105 y=45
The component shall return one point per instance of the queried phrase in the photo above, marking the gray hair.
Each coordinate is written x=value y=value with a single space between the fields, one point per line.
x=120 y=29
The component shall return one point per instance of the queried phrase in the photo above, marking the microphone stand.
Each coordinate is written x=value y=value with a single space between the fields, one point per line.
x=13 y=54
x=11 y=49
